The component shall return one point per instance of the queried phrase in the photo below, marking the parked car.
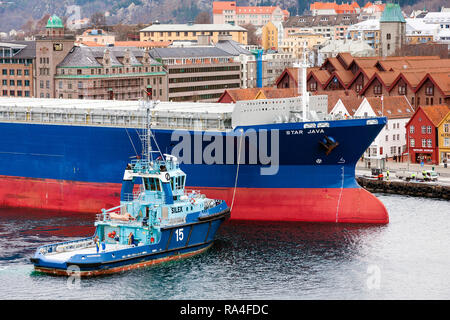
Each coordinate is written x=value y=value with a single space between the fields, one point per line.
x=428 y=175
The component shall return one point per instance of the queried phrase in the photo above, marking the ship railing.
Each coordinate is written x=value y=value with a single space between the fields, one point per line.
x=116 y=118
x=67 y=245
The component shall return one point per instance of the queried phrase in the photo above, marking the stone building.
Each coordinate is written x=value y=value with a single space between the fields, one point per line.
x=17 y=64
x=51 y=49
x=114 y=73
x=392 y=30
x=198 y=73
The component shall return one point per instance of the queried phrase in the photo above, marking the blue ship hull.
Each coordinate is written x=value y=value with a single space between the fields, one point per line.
x=79 y=168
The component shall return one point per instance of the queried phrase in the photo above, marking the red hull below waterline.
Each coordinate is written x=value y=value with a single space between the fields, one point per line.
x=346 y=205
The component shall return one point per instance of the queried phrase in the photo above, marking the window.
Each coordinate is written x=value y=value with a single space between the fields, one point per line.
x=429 y=129
x=424 y=142
x=5 y=72
x=429 y=143
x=11 y=72
x=387 y=138
x=388 y=36
x=377 y=89
x=412 y=143
x=446 y=142
x=424 y=129
x=447 y=128
x=402 y=89
x=429 y=91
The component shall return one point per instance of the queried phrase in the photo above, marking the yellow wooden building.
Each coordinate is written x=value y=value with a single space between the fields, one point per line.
x=444 y=138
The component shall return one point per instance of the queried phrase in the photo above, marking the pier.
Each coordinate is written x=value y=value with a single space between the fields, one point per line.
x=430 y=189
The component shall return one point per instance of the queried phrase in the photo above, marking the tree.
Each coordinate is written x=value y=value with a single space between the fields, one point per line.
x=252 y=38
x=98 y=19
x=203 y=18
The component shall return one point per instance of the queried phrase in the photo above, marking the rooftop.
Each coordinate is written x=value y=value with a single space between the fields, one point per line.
x=92 y=56
x=192 y=27
x=188 y=52
x=392 y=13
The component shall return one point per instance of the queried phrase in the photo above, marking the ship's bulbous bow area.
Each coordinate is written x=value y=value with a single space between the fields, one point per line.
x=360 y=206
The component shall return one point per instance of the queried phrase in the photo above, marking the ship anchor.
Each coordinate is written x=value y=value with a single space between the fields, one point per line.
x=328 y=143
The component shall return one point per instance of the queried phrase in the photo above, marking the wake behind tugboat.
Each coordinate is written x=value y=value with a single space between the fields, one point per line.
x=159 y=222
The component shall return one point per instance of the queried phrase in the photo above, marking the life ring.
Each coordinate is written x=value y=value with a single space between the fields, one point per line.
x=192 y=201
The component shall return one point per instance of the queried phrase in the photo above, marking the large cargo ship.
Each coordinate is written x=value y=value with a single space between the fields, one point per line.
x=268 y=159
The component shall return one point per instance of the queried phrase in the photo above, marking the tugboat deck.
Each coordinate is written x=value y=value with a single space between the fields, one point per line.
x=66 y=255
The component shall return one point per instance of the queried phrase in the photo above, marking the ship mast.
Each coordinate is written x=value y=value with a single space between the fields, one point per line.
x=302 y=82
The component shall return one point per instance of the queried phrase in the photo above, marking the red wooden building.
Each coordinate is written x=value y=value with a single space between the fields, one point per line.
x=421 y=133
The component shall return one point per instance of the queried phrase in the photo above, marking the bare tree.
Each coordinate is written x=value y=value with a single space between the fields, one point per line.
x=203 y=18
x=252 y=38
x=98 y=19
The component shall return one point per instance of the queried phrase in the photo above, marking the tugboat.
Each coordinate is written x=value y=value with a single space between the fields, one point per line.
x=156 y=221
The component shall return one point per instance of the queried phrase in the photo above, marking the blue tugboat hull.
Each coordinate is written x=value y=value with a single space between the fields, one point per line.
x=178 y=241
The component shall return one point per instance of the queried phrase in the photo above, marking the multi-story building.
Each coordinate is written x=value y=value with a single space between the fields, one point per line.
x=269 y=36
x=391 y=141
x=228 y=12
x=115 y=73
x=443 y=133
x=422 y=133
x=372 y=10
x=332 y=8
x=97 y=36
x=296 y=43
x=198 y=73
x=332 y=26
x=17 y=64
x=273 y=63
x=191 y=32
x=369 y=31
x=418 y=31
x=51 y=49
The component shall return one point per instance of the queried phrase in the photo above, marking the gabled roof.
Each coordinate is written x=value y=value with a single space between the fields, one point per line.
x=291 y=73
x=351 y=104
x=392 y=107
x=275 y=93
x=321 y=76
x=436 y=113
x=386 y=79
x=335 y=95
x=346 y=57
x=412 y=79
x=440 y=79
x=240 y=94
x=366 y=72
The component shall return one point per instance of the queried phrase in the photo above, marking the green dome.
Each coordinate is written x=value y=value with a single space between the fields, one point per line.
x=392 y=13
x=54 y=22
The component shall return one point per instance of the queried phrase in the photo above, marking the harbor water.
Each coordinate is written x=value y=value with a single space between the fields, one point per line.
x=407 y=259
